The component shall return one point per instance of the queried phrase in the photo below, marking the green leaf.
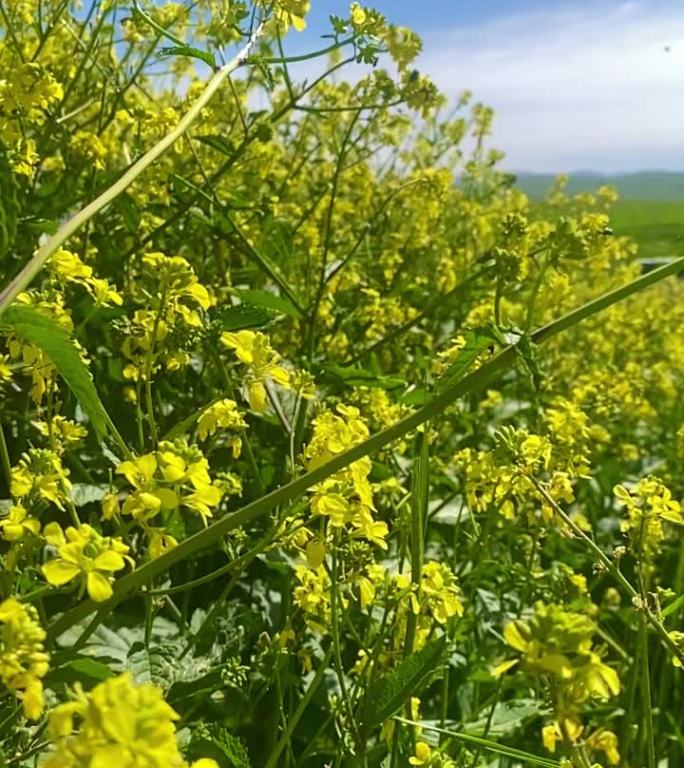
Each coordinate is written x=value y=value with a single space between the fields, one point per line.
x=219 y=143
x=85 y=493
x=674 y=606
x=213 y=741
x=56 y=343
x=235 y=318
x=360 y=377
x=390 y=692
x=80 y=670
x=266 y=300
x=507 y=717
x=193 y=53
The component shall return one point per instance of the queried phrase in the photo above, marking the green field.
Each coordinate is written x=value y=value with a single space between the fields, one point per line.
x=657 y=225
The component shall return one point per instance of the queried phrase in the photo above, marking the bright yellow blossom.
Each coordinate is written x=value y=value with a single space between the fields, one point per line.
x=23 y=660
x=40 y=476
x=116 y=725
x=254 y=350
x=84 y=554
x=18 y=523
x=221 y=415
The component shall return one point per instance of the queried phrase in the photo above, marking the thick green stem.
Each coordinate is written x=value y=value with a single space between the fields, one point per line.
x=470 y=383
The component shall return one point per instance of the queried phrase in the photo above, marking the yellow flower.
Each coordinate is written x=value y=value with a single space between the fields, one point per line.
x=23 y=660
x=292 y=12
x=175 y=475
x=5 y=370
x=648 y=505
x=116 y=725
x=551 y=735
x=148 y=499
x=357 y=14
x=17 y=524
x=110 y=506
x=253 y=349
x=40 y=475
x=438 y=584
x=221 y=415
x=422 y=755
x=67 y=432
x=83 y=553
x=68 y=267
x=605 y=741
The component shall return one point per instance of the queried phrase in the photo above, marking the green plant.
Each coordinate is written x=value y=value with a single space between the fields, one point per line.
x=310 y=421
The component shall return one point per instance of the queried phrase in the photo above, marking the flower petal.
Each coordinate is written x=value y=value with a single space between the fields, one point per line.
x=98 y=587
x=109 y=561
x=58 y=572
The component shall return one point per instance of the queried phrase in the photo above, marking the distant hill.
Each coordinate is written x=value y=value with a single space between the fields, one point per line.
x=644 y=185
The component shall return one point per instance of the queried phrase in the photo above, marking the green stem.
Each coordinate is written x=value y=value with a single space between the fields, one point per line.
x=614 y=571
x=646 y=692
x=308 y=56
x=5 y=460
x=526 y=758
x=474 y=381
x=419 y=501
x=337 y=648
x=284 y=740
x=33 y=267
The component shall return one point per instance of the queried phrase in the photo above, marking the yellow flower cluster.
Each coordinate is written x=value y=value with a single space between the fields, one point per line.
x=67 y=267
x=23 y=660
x=223 y=414
x=26 y=96
x=116 y=725
x=174 y=476
x=40 y=477
x=312 y=595
x=254 y=350
x=345 y=498
x=156 y=334
x=83 y=554
x=648 y=504
x=437 y=598
x=557 y=645
x=63 y=432
x=33 y=360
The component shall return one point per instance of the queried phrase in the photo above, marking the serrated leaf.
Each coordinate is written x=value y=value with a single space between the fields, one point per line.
x=266 y=300
x=193 y=53
x=59 y=347
x=390 y=692
x=215 y=742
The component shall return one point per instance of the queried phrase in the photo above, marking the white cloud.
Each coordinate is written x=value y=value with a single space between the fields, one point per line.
x=574 y=88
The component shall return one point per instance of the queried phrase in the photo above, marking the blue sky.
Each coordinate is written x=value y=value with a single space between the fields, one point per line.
x=587 y=84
